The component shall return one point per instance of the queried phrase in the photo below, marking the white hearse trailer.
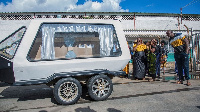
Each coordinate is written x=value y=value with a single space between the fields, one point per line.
x=66 y=53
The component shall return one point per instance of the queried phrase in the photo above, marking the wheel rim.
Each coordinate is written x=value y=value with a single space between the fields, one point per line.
x=101 y=87
x=68 y=91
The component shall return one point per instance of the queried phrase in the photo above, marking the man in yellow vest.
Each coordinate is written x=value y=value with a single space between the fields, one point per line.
x=181 y=49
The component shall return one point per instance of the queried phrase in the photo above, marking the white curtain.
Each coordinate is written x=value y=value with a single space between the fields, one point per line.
x=48 y=31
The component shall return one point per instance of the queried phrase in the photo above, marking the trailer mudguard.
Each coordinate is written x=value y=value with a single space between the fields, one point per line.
x=6 y=71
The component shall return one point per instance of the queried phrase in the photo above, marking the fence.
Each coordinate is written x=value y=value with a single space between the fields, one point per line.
x=92 y=15
x=196 y=51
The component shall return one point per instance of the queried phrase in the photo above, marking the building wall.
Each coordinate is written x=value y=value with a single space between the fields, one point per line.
x=10 y=26
x=160 y=23
x=149 y=24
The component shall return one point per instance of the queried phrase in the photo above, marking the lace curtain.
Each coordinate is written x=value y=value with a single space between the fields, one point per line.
x=48 y=31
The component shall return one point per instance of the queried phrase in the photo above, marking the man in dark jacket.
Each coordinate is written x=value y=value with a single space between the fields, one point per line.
x=181 y=49
x=158 y=56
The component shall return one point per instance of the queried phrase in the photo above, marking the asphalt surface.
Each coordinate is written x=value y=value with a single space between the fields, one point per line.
x=128 y=96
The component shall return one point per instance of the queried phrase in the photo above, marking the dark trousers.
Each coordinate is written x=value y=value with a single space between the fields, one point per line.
x=182 y=61
x=158 y=65
x=153 y=76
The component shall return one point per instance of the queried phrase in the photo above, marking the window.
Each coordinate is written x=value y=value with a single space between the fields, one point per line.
x=74 y=41
x=76 y=44
x=8 y=46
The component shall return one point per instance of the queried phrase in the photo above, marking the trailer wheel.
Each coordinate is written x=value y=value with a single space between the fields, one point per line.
x=67 y=91
x=100 y=87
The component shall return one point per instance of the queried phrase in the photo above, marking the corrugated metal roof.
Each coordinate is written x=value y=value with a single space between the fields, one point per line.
x=106 y=13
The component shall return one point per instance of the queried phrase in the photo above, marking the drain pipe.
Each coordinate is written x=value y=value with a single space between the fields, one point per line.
x=190 y=39
x=134 y=22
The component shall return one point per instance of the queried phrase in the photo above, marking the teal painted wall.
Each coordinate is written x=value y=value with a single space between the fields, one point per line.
x=170 y=57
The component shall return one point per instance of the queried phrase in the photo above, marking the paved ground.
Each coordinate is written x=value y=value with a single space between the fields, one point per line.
x=128 y=96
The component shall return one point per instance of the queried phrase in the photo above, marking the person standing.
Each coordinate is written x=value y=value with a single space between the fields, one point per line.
x=158 y=57
x=157 y=52
x=151 y=59
x=164 y=52
x=139 y=59
x=148 y=43
x=181 y=49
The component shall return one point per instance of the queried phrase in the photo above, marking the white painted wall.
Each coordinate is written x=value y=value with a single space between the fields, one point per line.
x=141 y=23
x=159 y=23
x=7 y=27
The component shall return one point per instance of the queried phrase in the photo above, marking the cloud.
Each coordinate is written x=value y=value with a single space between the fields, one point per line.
x=41 y=1
x=62 y=6
x=150 y=5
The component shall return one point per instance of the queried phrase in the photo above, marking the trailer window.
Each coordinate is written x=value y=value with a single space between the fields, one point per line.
x=74 y=41
x=8 y=46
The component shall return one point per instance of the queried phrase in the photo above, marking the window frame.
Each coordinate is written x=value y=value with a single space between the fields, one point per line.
x=23 y=27
x=39 y=28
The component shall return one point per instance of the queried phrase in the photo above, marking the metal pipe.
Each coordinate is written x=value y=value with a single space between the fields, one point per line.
x=188 y=32
x=134 y=22
x=181 y=15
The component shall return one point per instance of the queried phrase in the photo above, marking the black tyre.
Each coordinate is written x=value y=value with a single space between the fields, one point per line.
x=100 y=87
x=67 y=91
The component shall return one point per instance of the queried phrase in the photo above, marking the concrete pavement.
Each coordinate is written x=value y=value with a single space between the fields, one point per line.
x=128 y=96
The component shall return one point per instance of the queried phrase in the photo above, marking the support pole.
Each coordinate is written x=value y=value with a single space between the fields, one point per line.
x=178 y=24
x=190 y=39
x=134 y=22
x=181 y=15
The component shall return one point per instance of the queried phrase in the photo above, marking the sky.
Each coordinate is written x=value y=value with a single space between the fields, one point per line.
x=143 y=6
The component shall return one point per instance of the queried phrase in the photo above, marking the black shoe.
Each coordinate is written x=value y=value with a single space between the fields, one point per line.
x=158 y=77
